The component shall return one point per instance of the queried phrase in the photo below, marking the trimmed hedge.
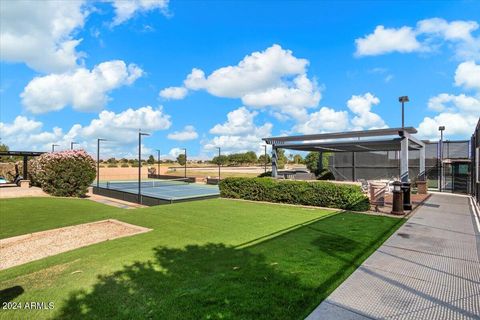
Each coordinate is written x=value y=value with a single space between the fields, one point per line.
x=314 y=193
x=64 y=173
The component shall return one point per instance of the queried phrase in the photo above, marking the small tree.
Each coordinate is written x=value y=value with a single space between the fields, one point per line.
x=151 y=160
x=181 y=159
x=250 y=157
x=281 y=158
x=297 y=159
x=263 y=160
x=311 y=160
x=4 y=147
x=220 y=160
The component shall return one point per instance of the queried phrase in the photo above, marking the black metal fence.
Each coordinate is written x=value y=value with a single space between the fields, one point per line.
x=352 y=166
x=475 y=155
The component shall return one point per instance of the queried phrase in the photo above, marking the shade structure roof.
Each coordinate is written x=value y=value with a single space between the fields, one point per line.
x=349 y=141
x=21 y=153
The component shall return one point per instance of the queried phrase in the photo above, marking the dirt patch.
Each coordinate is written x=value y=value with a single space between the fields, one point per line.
x=131 y=173
x=17 y=192
x=25 y=248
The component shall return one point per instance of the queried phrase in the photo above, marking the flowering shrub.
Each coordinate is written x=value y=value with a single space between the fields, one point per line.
x=64 y=173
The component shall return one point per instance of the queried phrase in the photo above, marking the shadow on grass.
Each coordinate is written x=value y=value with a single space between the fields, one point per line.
x=199 y=282
x=11 y=293
x=280 y=278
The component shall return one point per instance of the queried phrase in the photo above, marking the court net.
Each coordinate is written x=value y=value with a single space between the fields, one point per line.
x=147 y=184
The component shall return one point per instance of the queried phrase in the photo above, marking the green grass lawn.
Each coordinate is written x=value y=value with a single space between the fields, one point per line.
x=212 y=259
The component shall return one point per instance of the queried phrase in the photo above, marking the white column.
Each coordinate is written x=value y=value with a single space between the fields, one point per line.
x=422 y=174
x=274 y=161
x=404 y=160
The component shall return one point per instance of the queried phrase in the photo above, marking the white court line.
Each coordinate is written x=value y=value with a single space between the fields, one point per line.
x=476 y=212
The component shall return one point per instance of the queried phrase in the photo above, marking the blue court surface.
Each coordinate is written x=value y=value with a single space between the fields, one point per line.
x=164 y=189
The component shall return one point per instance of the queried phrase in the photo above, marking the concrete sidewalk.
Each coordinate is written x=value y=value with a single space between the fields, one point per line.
x=429 y=269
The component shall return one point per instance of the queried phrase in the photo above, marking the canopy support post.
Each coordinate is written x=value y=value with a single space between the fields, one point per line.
x=274 y=161
x=404 y=160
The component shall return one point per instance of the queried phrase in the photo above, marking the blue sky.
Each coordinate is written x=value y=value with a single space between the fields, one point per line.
x=75 y=71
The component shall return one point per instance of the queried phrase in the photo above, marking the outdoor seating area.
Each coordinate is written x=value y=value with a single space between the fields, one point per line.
x=239 y=160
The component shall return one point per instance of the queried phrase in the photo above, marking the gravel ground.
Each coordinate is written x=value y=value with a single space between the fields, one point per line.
x=16 y=192
x=25 y=248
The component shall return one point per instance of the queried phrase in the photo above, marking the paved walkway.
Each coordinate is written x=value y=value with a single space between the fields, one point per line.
x=429 y=269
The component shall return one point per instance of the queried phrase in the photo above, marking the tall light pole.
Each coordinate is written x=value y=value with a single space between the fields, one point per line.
x=440 y=146
x=403 y=99
x=265 y=158
x=185 y=166
x=71 y=144
x=98 y=160
x=158 y=161
x=53 y=146
x=140 y=134
x=218 y=163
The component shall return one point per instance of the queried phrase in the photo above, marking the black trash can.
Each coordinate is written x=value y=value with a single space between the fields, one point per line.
x=406 y=188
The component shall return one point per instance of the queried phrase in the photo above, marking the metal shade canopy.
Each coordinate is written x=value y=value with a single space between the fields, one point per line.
x=341 y=135
x=390 y=139
x=351 y=146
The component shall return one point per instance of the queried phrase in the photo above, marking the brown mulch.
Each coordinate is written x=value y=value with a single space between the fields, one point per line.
x=25 y=248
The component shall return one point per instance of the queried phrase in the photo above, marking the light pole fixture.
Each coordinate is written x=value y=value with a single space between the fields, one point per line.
x=158 y=161
x=140 y=134
x=403 y=99
x=265 y=156
x=185 y=166
x=71 y=144
x=218 y=163
x=440 y=147
x=98 y=160
x=53 y=146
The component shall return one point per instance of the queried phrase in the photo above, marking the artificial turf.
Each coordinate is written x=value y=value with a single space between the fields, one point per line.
x=212 y=259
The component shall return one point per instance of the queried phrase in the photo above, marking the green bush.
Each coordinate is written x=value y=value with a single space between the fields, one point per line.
x=265 y=174
x=124 y=165
x=314 y=193
x=112 y=165
x=66 y=173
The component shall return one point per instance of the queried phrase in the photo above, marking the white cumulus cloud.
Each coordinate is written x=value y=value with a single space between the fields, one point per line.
x=41 y=34
x=324 y=120
x=19 y=125
x=188 y=133
x=239 y=133
x=173 y=93
x=124 y=126
x=361 y=106
x=427 y=35
x=239 y=121
x=467 y=75
x=273 y=78
x=83 y=89
x=125 y=10
x=175 y=152
x=120 y=129
x=450 y=102
x=458 y=113
x=386 y=40
x=455 y=123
